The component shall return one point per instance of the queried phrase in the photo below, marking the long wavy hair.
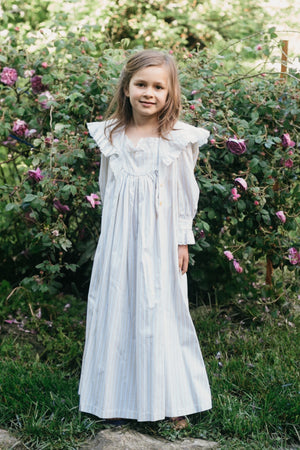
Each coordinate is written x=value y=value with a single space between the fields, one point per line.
x=120 y=111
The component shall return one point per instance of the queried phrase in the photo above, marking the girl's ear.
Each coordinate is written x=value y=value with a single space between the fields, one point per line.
x=126 y=92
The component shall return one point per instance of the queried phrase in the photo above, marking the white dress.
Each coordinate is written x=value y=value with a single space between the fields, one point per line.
x=142 y=358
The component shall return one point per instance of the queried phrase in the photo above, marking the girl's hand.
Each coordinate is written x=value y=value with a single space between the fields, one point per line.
x=183 y=258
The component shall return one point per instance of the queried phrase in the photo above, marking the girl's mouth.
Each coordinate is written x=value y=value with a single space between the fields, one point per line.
x=147 y=103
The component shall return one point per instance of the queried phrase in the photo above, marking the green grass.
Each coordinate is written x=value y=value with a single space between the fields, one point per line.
x=253 y=371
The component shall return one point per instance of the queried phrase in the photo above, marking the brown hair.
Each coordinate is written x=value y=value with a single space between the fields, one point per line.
x=122 y=115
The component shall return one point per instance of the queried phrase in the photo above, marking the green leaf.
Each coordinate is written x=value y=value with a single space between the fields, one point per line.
x=254 y=163
x=211 y=214
x=29 y=198
x=65 y=243
x=11 y=207
x=71 y=267
x=241 y=205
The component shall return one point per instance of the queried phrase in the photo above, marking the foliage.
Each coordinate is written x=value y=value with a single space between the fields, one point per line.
x=49 y=226
x=154 y=23
x=257 y=110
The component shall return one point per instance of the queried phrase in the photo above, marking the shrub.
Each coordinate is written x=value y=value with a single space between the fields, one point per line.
x=49 y=228
x=155 y=23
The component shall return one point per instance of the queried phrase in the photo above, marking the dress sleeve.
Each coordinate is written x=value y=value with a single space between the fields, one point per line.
x=97 y=131
x=103 y=175
x=188 y=193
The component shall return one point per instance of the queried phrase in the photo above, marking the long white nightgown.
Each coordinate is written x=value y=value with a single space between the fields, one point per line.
x=142 y=358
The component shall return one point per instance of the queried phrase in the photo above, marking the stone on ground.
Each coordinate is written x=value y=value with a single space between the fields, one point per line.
x=9 y=442
x=118 y=439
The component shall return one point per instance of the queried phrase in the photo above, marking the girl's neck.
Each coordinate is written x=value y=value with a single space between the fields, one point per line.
x=142 y=128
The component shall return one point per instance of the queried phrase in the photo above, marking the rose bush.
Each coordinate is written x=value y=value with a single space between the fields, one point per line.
x=50 y=208
x=250 y=189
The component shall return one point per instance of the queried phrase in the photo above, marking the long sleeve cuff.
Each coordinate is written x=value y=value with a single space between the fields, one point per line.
x=185 y=231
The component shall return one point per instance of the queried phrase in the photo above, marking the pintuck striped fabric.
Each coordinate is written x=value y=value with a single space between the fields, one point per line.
x=142 y=358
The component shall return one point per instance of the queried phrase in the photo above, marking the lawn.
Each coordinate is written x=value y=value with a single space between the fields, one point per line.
x=253 y=367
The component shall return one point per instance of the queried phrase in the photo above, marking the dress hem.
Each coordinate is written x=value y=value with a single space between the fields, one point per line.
x=142 y=417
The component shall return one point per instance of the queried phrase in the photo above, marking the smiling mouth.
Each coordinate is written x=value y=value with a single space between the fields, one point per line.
x=147 y=103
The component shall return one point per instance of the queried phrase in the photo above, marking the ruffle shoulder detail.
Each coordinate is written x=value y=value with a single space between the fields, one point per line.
x=184 y=134
x=179 y=138
x=100 y=133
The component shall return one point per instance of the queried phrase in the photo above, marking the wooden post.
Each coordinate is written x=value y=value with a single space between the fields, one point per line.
x=269 y=272
x=284 y=55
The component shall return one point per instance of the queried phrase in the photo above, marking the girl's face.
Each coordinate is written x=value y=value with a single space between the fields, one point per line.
x=148 y=91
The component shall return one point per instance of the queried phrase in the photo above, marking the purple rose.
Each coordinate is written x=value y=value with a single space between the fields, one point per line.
x=236 y=146
x=9 y=76
x=37 y=85
x=20 y=128
x=240 y=182
x=36 y=175
x=61 y=208
x=202 y=234
x=286 y=141
x=294 y=256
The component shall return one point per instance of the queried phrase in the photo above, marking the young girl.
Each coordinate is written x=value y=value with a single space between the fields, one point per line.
x=142 y=359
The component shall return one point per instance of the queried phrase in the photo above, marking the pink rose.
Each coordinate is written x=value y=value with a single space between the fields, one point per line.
x=256 y=202
x=237 y=266
x=289 y=163
x=192 y=107
x=228 y=255
x=93 y=199
x=236 y=146
x=235 y=195
x=20 y=128
x=61 y=208
x=294 y=256
x=281 y=216
x=36 y=175
x=258 y=47
x=44 y=98
x=241 y=182
x=9 y=76
x=44 y=65
x=29 y=73
x=286 y=141
x=31 y=131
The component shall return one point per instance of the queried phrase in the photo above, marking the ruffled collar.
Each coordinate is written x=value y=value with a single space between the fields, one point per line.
x=177 y=140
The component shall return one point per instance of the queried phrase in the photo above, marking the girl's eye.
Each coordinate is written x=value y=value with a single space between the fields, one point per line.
x=159 y=87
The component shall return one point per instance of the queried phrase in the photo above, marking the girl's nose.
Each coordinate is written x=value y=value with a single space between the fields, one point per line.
x=149 y=92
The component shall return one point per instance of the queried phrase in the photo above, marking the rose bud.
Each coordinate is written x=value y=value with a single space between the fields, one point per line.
x=236 y=146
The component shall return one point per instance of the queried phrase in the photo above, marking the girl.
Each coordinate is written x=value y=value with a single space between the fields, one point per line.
x=142 y=359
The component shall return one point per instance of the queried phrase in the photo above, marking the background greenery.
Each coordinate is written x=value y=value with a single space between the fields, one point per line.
x=228 y=58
